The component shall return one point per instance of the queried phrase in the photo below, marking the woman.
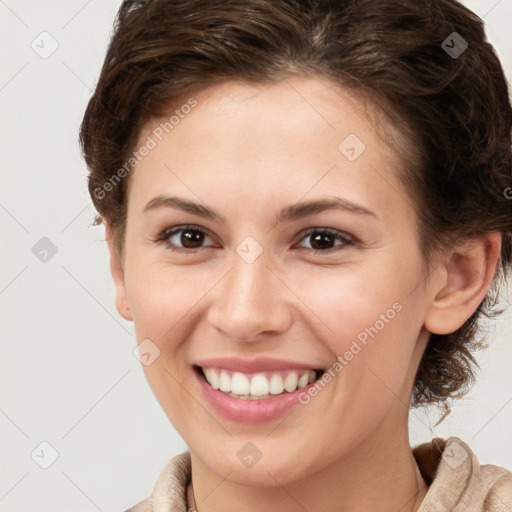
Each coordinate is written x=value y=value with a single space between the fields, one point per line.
x=306 y=209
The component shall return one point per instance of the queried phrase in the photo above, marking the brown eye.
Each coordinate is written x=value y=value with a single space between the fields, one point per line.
x=191 y=238
x=326 y=239
x=184 y=238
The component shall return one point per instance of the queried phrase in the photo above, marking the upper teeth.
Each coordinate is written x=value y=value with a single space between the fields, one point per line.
x=258 y=384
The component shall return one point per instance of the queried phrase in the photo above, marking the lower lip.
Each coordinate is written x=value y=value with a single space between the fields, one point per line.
x=249 y=411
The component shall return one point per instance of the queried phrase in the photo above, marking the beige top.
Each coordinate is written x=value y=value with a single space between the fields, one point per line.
x=457 y=482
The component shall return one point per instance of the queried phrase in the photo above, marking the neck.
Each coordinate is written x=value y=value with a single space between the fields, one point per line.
x=379 y=475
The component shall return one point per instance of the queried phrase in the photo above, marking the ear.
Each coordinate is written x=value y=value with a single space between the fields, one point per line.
x=468 y=273
x=117 y=272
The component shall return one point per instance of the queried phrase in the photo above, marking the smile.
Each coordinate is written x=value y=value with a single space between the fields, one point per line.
x=253 y=391
x=260 y=385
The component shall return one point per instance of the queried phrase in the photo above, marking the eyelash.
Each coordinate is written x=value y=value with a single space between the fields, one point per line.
x=164 y=235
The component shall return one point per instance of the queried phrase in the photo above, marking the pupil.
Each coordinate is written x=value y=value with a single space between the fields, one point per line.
x=191 y=237
x=320 y=238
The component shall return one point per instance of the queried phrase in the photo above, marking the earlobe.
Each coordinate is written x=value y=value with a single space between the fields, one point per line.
x=468 y=275
x=117 y=273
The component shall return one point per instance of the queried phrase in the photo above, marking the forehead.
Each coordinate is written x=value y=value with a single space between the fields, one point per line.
x=317 y=102
x=245 y=140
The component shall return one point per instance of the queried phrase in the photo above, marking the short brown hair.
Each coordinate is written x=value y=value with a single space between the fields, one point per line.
x=452 y=111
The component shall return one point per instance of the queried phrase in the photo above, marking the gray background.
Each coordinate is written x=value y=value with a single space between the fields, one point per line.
x=69 y=376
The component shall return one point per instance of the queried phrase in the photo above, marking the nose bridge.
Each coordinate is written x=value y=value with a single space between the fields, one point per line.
x=250 y=300
x=249 y=282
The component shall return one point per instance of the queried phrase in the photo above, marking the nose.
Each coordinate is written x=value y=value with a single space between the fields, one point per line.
x=251 y=300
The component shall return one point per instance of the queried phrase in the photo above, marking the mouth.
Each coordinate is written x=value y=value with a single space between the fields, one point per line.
x=259 y=385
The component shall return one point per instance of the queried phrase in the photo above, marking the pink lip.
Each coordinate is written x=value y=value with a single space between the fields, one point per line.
x=260 y=364
x=249 y=411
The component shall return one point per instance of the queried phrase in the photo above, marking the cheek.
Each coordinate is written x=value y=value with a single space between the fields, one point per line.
x=161 y=304
x=369 y=318
x=351 y=301
x=162 y=307
x=162 y=297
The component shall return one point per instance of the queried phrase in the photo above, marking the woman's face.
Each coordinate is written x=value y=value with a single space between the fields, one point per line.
x=277 y=274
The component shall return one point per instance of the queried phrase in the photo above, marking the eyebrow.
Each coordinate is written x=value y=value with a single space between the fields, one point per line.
x=293 y=212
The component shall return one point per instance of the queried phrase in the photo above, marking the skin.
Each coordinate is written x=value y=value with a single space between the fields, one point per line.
x=348 y=446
